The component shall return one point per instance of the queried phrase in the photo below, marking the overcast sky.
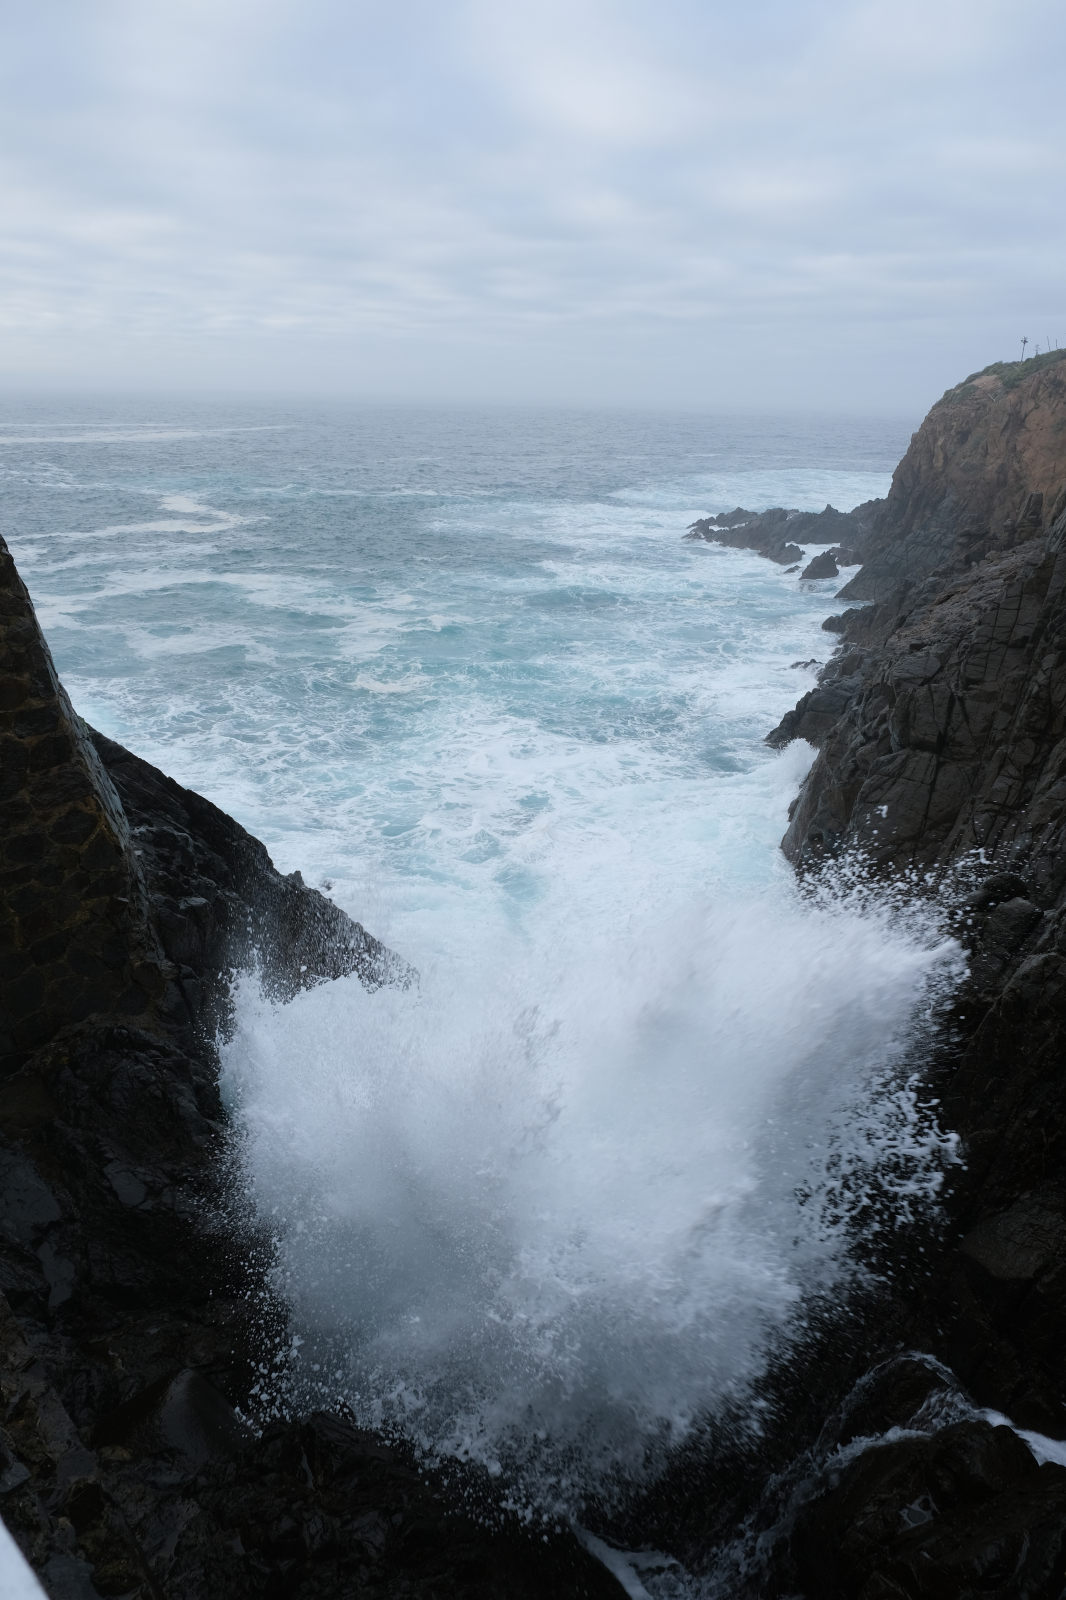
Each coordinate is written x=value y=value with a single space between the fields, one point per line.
x=672 y=202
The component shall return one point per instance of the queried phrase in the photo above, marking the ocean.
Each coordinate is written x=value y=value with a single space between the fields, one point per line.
x=556 y=1206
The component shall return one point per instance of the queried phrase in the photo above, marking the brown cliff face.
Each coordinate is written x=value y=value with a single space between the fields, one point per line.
x=985 y=471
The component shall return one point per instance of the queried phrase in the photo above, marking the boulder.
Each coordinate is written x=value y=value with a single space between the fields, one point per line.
x=823 y=566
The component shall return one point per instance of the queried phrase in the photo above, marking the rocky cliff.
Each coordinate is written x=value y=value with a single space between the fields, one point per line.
x=133 y=1303
x=941 y=730
x=983 y=473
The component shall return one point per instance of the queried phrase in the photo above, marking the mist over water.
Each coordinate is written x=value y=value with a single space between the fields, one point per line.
x=559 y=1203
x=555 y=1207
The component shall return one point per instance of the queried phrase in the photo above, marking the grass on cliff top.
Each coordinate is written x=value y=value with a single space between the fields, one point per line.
x=1009 y=373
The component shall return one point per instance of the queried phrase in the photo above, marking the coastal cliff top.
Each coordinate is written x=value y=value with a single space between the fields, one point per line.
x=999 y=377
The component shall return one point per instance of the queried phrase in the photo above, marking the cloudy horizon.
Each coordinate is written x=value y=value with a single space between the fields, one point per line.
x=822 y=203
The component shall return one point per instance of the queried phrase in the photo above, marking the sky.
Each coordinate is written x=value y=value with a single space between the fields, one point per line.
x=764 y=203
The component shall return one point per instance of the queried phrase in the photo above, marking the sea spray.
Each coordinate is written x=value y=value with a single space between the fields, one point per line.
x=464 y=668
x=547 y=1218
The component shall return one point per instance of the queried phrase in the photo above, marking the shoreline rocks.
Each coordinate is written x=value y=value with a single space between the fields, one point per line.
x=774 y=533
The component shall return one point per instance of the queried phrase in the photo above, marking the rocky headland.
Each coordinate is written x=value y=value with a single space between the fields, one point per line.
x=134 y=1315
x=940 y=725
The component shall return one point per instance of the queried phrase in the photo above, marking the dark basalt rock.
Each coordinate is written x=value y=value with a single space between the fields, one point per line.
x=949 y=742
x=133 y=1307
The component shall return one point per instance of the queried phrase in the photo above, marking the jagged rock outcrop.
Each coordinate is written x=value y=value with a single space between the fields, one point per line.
x=122 y=895
x=823 y=566
x=774 y=533
x=218 y=905
x=134 y=1309
x=947 y=738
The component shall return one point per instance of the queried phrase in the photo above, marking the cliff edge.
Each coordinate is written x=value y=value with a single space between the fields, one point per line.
x=985 y=472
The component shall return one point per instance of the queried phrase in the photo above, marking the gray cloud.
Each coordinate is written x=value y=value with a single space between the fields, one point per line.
x=831 y=201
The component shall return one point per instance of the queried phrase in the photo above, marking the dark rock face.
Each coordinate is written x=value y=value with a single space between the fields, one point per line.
x=949 y=739
x=75 y=936
x=823 y=566
x=218 y=904
x=964 y=1512
x=133 y=1314
x=941 y=730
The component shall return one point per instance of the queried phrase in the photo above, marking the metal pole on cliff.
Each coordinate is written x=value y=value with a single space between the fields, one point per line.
x=1024 y=343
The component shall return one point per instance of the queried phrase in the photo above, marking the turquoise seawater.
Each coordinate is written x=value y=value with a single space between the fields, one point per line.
x=406 y=648
x=556 y=1205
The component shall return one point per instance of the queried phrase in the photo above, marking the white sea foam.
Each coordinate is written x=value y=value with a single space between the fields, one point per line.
x=191 y=516
x=553 y=1207
x=408 y=685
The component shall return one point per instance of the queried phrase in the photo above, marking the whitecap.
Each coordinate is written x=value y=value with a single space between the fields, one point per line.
x=390 y=686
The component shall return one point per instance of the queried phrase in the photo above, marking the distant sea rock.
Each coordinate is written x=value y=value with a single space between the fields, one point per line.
x=775 y=533
x=823 y=566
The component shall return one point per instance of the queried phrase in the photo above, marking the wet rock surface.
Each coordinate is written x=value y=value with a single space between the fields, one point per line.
x=218 y=904
x=965 y=1511
x=133 y=1316
x=823 y=566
